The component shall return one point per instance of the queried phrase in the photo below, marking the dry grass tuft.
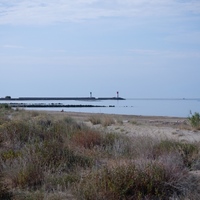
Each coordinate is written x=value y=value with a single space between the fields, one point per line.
x=87 y=138
x=95 y=119
x=101 y=119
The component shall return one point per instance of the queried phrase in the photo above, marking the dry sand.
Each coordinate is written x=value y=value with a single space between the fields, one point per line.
x=162 y=127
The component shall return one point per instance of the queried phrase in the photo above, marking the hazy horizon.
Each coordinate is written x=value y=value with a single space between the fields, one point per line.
x=143 y=49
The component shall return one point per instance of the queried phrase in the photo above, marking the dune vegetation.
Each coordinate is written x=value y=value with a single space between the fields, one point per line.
x=55 y=157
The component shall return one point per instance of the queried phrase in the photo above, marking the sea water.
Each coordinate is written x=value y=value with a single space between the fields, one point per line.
x=148 y=107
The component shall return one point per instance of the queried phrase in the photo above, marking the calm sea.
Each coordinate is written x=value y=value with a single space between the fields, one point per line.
x=149 y=107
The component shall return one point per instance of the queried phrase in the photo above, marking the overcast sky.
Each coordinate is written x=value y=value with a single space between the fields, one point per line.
x=141 y=48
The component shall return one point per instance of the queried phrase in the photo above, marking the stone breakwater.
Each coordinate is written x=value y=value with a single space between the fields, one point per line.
x=8 y=98
x=53 y=105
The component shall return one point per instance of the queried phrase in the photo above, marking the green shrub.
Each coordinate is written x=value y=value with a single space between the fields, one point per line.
x=195 y=120
x=16 y=132
x=20 y=131
x=56 y=157
x=10 y=154
x=5 y=106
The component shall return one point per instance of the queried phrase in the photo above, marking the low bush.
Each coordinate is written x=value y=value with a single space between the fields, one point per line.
x=152 y=181
x=109 y=139
x=16 y=132
x=31 y=176
x=37 y=160
x=87 y=138
x=121 y=147
x=57 y=157
x=188 y=151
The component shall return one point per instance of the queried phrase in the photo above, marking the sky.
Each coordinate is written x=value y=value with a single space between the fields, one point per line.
x=68 y=48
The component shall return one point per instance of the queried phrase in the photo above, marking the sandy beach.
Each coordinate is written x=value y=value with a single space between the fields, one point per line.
x=155 y=126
